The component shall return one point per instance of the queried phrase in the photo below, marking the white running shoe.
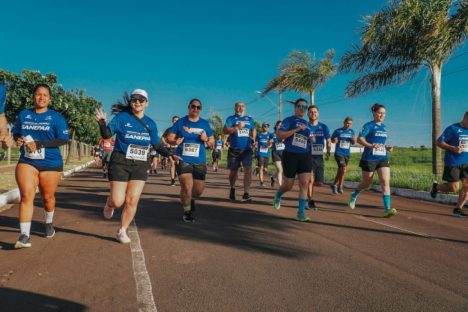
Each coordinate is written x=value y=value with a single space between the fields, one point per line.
x=122 y=236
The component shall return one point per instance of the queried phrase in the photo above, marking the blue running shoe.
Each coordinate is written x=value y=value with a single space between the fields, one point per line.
x=390 y=212
x=302 y=217
x=352 y=201
x=277 y=202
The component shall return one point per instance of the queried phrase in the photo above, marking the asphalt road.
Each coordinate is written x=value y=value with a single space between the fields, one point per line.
x=236 y=256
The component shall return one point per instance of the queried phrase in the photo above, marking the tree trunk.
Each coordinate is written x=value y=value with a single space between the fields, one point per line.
x=280 y=107
x=312 y=96
x=70 y=147
x=436 y=70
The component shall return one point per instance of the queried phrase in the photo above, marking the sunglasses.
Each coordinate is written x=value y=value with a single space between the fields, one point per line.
x=302 y=106
x=197 y=107
x=137 y=99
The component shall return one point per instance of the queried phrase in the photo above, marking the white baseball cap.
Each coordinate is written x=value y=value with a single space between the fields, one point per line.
x=140 y=92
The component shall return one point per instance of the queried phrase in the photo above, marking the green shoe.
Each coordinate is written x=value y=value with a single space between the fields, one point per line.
x=302 y=217
x=277 y=202
x=390 y=212
x=352 y=201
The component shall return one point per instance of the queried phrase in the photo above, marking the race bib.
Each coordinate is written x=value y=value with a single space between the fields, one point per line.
x=107 y=144
x=300 y=140
x=464 y=145
x=219 y=147
x=244 y=132
x=279 y=146
x=317 y=149
x=37 y=154
x=381 y=151
x=137 y=152
x=345 y=144
x=191 y=149
x=264 y=150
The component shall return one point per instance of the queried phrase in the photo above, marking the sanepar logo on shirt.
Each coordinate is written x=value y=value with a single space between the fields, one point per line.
x=35 y=127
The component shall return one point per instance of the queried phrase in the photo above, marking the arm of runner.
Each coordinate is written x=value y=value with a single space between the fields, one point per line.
x=454 y=149
x=54 y=143
x=282 y=135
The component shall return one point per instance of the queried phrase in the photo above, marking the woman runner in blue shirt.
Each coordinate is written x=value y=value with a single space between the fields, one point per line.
x=128 y=165
x=375 y=157
x=39 y=131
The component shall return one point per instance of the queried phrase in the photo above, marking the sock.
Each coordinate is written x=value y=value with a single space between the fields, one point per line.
x=302 y=205
x=278 y=194
x=49 y=216
x=25 y=228
x=187 y=208
x=356 y=193
x=386 y=201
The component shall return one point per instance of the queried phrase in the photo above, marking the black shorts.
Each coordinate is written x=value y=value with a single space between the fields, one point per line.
x=236 y=157
x=455 y=174
x=262 y=161
x=341 y=160
x=216 y=154
x=371 y=166
x=276 y=155
x=317 y=168
x=295 y=163
x=123 y=170
x=198 y=171
x=41 y=168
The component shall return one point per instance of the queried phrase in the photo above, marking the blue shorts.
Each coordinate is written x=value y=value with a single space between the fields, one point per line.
x=236 y=157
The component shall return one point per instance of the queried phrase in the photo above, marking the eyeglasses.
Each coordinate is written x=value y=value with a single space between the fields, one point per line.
x=302 y=106
x=137 y=99
x=197 y=107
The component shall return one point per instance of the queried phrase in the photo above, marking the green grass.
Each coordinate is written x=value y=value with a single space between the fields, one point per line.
x=410 y=168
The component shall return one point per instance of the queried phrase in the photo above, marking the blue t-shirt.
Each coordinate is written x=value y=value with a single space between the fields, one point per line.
x=318 y=136
x=343 y=146
x=219 y=144
x=43 y=127
x=131 y=138
x=455 y=135
x=192 y=149
x=278 y=145
x=241 y=138
x=262 y=141
x=298 y=142
x=2 y=98
x=374 y=134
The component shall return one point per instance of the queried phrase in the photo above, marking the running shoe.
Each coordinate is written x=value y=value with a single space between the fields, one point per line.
x=122 y=236
x=458 y=212
x=302 y=217
x=311 y=205
x=172 y=182
x=23 y=242
x=261 y=184
x=434 y=189
x=390 y=212
x=49 y=230
x=232 y=194
x=334 y=189
x=108 y=212
x=188 y=217
x=246 y=198
x=277 y=202
x=352 y=201
x=192 y=205
x=104 y=175
x=340 y=189
x=272 y=182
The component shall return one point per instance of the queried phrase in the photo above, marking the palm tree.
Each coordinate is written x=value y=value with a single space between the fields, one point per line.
x=400 y=40
x=302 y=72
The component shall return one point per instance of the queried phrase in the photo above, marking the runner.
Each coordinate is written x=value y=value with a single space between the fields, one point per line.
x=153 y=161
x=134 y=133
x=39 y=131
x=217 y=152
x=375 y=157
x=454 y=140
x=241 y=131
x=97 y=154
x=263 y=142
x=172 y=148
x=319 y=136
x=343 y=138
x=296 y=158
x=5 y=139
x=191 y=169
x=107 y=145
x=276 y=155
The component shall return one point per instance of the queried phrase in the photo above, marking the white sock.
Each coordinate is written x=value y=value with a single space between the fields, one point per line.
x=49 y=216
x=25 y=228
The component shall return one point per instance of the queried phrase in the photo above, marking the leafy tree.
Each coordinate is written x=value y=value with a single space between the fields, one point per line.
x=216 y=123
x=400 y=40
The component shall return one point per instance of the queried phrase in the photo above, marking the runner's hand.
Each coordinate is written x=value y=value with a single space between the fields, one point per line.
x=327 y=156
x=203 y=136
x=31 y=146
x=19 y=141
x=240 y=125
x=176 y=158
x=7 y=141
x=100 y=115
x=301 y=127
x=179 y=140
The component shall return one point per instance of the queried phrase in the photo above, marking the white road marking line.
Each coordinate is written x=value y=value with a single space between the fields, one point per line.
x=398 y=228
x=145 y=298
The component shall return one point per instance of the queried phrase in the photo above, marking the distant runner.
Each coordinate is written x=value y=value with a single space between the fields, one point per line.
x=343 y=138
x=107 y=145
x=217 y=152
x=263 y=142
x=172 y=148
x=276 y=155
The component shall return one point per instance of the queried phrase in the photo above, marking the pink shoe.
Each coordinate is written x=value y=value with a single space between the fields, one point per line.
x=122 y=236
x=108 y=212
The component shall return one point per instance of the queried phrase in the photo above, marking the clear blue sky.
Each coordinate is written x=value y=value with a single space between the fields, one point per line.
x=218 y=51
